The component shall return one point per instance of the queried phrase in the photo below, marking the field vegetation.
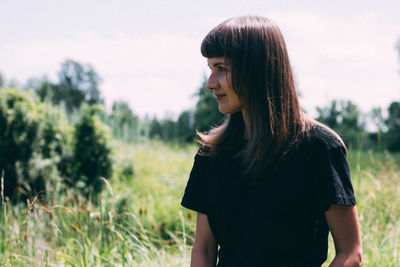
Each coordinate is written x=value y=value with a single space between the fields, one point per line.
x=138 y=220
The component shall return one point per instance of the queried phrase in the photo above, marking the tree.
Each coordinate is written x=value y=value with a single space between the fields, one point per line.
x=378 y=120
x=77 y=84
x=393 y=125
x=156 y=130
x=124 y=123
x=329 y=115
x=184 y=124
x=169 y=130
x=43 y=88
x=91 y=152
x=393 y=121
x=206 y=113
x=346 y=119
x=32 y=143
x=351 y=116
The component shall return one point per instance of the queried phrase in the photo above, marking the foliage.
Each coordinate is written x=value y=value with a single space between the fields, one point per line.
x=37 y=145
x=375 y=180
x=185 y=126
x=169 y=130
x=125 y=229
x=43 y=88
x=32 y=138
x=165 y=129
x=329 y=115
x=123 y=122
x=206 y=113
x=393 y=120
x=393 y=125
x=345 y=118
x=156 y=130
x=139 y=222
x=77 y=84
x=91 y=152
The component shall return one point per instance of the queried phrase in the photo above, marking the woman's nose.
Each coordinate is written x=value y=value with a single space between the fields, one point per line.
x=212 y=82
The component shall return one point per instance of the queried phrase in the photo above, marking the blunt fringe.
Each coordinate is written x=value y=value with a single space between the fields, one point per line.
x=262 y=77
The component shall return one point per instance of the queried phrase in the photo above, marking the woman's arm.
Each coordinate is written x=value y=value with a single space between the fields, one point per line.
x=345 y=229
x=204 y=251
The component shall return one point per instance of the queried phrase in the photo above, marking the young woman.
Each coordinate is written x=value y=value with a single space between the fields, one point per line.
x=268 y=183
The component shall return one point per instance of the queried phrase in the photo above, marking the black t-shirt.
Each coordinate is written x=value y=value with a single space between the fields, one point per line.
x=281 y=221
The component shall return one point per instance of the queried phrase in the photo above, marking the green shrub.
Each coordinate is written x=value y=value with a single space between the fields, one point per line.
x=32 y=142
x=91 y=152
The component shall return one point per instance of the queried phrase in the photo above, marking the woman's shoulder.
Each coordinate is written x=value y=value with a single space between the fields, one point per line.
x=204 y=155
x=321 y=135
x=209 y=157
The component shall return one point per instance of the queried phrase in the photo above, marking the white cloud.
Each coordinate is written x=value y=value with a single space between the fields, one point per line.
x=343 y=57
x=155 y=74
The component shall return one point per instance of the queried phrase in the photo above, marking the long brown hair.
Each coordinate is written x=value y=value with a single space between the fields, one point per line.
x=263 y=79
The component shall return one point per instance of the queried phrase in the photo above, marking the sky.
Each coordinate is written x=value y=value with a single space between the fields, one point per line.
x=148 y=52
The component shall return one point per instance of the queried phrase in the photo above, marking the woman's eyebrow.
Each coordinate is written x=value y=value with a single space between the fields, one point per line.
x=218 y=64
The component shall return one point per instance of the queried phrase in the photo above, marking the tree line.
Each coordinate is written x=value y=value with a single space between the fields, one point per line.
x=79 y=84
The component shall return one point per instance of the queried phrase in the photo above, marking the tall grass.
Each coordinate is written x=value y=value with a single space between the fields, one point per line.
x=376 y=180
x=138 y=220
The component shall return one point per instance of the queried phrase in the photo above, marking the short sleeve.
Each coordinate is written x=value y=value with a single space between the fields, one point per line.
x=196 y=189
x=334 y=178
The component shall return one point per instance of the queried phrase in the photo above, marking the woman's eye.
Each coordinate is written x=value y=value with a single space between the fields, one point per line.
x=221 y=69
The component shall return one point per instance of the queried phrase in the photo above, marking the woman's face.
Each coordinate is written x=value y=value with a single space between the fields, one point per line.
x=221 y=83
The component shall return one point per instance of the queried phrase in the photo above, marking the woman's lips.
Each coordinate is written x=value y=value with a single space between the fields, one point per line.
x=218 y=97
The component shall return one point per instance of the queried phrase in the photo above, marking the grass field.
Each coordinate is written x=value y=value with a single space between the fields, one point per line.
x=139 y=222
